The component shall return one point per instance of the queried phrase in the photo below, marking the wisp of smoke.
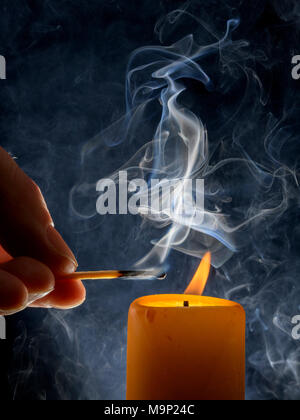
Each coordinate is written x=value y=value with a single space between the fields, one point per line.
x=248 y=187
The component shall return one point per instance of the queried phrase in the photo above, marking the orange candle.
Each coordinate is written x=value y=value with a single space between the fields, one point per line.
x=186 y=347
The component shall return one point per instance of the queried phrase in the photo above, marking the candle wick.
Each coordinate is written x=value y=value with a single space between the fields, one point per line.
x=186 y=304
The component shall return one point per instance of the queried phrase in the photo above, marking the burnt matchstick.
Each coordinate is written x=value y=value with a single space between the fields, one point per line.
x=115 y=274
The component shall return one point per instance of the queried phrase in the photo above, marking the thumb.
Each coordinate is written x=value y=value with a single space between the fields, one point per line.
x=26 y=227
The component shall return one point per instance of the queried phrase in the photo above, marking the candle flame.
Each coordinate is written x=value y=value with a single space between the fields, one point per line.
x=198 y=283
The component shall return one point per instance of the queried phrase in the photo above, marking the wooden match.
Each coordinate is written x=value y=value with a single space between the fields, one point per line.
x=115 y=274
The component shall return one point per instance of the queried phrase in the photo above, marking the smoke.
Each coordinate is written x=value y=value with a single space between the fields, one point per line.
x=213 y=99
x=180 y=150
x=249 y=185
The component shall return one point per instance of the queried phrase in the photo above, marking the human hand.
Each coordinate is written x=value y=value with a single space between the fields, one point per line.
x=33 y=256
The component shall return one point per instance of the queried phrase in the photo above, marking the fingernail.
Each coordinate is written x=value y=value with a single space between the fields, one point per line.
x=61 y=248
x=32 y=297
x=40 y=306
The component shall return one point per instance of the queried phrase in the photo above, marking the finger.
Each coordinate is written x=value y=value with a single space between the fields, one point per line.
x=4 y=256
x=36 y=276
x=67 y=295
x=13 y=294
x=26 y=227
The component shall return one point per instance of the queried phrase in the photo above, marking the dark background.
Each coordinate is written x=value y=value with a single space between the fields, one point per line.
x=66 y=66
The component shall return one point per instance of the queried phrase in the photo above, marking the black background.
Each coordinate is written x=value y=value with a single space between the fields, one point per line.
x=66 y=65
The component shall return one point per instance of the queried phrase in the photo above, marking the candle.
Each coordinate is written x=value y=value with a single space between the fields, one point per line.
x=186 y=347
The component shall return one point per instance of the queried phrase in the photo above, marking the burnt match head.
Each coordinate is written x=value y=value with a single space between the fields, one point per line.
x=141 y=275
